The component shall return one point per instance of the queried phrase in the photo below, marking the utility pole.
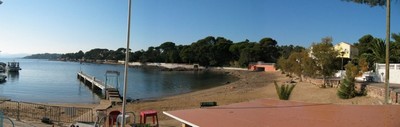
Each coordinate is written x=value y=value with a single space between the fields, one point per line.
x=387 y=51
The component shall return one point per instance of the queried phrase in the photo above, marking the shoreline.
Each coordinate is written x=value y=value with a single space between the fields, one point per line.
x=249 y=86
x=232 y=78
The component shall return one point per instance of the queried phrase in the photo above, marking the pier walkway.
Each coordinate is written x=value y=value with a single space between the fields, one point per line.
x=97 y=86
x=85 y=78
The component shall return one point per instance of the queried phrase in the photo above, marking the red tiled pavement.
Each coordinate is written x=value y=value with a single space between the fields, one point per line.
x=277 y=113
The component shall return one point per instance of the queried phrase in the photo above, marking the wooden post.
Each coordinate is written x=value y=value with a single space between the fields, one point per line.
x=18 y=112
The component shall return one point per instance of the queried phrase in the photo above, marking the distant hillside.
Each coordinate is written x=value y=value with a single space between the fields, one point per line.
x=43 y=56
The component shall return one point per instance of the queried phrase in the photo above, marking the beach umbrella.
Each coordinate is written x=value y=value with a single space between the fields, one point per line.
x=126 y=64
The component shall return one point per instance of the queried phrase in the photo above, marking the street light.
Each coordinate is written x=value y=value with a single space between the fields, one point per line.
x=341 y=71
x=1 y=2
x=342 y=53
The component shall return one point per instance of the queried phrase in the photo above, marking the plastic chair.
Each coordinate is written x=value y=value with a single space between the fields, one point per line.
x=131 y=119
x=112 y=117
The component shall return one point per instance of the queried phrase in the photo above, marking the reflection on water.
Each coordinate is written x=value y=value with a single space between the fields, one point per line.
x=56 y=82
x=12 y=76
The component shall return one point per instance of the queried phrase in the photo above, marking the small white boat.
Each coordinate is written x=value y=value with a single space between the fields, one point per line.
x=13 y=67
x=2 y=78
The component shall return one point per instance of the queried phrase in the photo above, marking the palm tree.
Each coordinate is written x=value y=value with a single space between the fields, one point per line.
x=373 y=3
x=378 y=50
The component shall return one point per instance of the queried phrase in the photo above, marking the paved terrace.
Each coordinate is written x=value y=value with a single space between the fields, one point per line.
x=278 y=113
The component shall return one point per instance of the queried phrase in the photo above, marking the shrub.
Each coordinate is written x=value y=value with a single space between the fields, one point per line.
x=284 y=90
x=346 y=89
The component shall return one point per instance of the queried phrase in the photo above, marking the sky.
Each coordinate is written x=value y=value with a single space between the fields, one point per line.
x=65 y=26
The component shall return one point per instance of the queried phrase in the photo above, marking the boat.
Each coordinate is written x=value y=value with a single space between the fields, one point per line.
x=13 y=67
x=2 y=67
x=2 y=78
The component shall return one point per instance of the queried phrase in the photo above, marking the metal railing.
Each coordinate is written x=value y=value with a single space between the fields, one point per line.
x=33 y=112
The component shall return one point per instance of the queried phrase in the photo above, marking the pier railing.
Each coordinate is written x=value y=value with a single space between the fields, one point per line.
x=56 y=114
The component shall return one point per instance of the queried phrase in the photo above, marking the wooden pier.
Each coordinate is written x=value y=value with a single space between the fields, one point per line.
x=98 y=86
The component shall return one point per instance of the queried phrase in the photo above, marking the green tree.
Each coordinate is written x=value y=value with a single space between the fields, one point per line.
x=347 y=89
x=80 y=54
x=310 y=65
x=378 y=50
x=286 y=50
x=236 y=48
x=187 y=55
x=325 y=55
x=395 y=48
x=297 y=63
x=97 y=54
x=201 y=50
x=221 y=54
x=281 y=64
x=169 y=52
x=364 y=44
x=269 y=50
x=396 y=37
x=249 y=54
x=137 y=56
x=153 y=54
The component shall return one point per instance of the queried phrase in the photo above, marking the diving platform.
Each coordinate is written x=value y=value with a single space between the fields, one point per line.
x=97 y=86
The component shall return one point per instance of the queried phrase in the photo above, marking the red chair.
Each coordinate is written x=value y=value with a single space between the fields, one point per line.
x=148 y=113
x=112 y=117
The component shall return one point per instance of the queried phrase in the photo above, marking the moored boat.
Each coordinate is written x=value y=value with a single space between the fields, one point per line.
x=13 y=67
x=2 y=67
x=2 y=78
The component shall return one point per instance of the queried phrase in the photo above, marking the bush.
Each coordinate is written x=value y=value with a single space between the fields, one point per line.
x=346 y=89
x=284 y=90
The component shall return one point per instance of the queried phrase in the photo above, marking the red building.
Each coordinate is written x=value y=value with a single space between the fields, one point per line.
x=260 y=66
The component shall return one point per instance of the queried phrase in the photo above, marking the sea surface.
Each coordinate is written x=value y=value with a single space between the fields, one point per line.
x=44 y=81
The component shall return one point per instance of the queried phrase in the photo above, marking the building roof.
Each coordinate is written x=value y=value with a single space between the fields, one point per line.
x=278 y=113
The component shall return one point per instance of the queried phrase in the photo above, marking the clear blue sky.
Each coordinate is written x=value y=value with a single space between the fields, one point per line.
x=62 y=26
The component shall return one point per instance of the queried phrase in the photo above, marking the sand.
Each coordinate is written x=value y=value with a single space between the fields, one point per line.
x=250 y=86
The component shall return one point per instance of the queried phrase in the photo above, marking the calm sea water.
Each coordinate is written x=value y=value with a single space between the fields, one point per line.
x=56 y=81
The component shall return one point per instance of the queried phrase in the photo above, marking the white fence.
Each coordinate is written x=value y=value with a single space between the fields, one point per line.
x=166 y=65
x=174 y=65
x=394 y=73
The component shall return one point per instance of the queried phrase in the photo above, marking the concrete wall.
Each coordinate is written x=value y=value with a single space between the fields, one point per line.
x=166 y=65
x=394 y=73
x=230 y=68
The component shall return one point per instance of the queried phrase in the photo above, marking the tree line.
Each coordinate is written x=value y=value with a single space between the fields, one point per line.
x=322 y=60
x=209 y=51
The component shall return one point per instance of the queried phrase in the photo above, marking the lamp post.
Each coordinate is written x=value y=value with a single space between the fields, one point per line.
x=126 y=64
x=342 y=53
x=341 y=71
